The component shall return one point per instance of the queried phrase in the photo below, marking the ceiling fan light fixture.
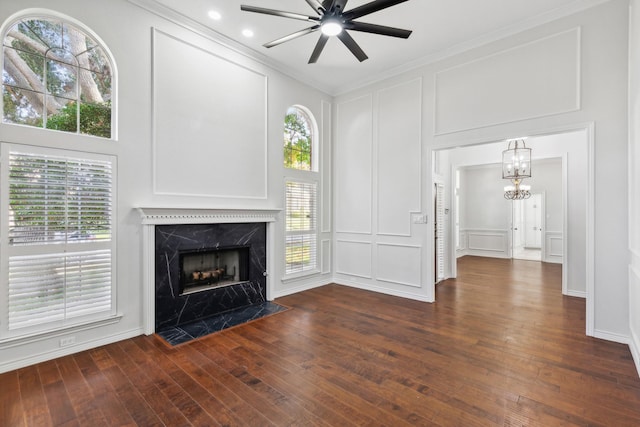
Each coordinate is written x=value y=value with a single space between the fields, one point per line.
x=331 y=28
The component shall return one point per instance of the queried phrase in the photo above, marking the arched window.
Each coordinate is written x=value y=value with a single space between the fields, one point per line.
x=298 y=139
x=301 y=233
x=56 y=76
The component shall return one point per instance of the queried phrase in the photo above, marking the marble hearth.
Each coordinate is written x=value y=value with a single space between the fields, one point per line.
x=169 y=232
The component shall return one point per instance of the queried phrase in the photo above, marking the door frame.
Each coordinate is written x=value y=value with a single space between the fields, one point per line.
x=589 y=129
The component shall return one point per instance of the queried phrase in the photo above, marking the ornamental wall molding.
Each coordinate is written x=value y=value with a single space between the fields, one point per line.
x=165 y=216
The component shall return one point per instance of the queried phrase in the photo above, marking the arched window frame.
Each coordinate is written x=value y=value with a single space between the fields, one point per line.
x=52 y=16
x=302 y=193
x=313 y=130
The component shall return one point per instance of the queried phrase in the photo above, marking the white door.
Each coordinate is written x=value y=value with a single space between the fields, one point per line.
x=533 y=222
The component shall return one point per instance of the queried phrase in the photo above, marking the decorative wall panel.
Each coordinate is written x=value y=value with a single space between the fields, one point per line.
x=491 y=243
x=399 y=264
x=353 y=153
x=353 y=258
x=209 y=124
x=533 y=80
x=554 y=247
x=399 y=157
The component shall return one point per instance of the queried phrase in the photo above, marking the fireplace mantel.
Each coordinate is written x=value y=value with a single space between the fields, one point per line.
x=153 y=216
x=165 y=216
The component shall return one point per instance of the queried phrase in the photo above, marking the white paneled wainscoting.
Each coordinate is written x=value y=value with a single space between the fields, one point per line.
x=496 y=244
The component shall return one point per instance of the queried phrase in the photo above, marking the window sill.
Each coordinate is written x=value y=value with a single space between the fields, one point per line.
x=39 y=336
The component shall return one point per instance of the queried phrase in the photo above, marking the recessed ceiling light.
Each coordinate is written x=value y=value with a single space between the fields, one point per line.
x=215 y=15
x=247 y=32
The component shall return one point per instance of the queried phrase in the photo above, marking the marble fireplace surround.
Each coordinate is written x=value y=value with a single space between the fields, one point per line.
x=152 y=217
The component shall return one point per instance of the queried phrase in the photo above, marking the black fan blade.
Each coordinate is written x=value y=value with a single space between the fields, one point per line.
x=292 y=36
x=371 y=7
x=335 y=7
x=317 y=6
x=378 y=29
x=350 y=43
x=283 y=14
x=322 y=41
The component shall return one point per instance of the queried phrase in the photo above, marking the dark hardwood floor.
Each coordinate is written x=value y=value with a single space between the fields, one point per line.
x=501 y=346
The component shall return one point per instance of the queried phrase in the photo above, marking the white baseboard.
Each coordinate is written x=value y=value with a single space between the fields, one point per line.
x=634 y=346
x=382 y=290
x=300 y=288
x=578 y=294
x=60 y=352
x=611 y=336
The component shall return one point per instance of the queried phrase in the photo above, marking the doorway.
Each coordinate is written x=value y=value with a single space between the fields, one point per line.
x=478 y=234
x=527 y=218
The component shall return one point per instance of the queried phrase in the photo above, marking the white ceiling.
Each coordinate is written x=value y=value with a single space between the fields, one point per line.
x=440 y=27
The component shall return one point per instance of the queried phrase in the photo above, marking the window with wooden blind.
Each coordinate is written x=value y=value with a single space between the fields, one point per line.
x=301 y=233
x=59 y=240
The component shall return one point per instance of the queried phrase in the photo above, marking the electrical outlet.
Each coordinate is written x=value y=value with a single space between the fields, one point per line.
x=67 y=341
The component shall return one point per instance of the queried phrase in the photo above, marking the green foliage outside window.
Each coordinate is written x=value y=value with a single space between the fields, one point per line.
x=297 y=140
x=51 y=67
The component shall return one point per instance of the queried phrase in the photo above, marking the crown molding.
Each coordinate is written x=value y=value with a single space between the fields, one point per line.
x=513 y=29
x=190 y=24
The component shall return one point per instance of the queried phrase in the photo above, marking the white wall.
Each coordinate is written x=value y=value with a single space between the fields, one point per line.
x=634 y=182
x=576 y=77
x=164 y=65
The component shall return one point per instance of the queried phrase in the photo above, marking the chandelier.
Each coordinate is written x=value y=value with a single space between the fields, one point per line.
x=516 y=165
x=517 y=191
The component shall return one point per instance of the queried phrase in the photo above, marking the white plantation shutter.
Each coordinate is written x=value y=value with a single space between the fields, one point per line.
x=57 y=199
x=440 y=232
x=301 y=235
x=59 y=240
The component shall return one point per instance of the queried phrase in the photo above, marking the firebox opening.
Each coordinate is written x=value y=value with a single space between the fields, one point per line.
x=211 y=268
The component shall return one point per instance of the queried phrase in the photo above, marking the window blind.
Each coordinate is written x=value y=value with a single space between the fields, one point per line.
x=60 y=229
x=44 y=289
x=56 y=199
x=301 y=235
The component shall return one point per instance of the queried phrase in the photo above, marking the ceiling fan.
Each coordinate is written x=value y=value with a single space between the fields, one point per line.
x=333 y=20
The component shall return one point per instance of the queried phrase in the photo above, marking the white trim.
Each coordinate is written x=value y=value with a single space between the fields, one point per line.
x=301 y=288
x=589 y=128
x=634 y=347
x=577 y=294
x=164 y=216
x=386 y=291
x=611 y=336
x=565 y=224
x=376 y=151
x=358 y=242
x=590 y=232
x=65 y=351
x=57 y=332
x=325 y=262
x=203 y=31
x=576 y=107
x=154 y=120
x=397 y=282
x=54 y=15
x=486 y=39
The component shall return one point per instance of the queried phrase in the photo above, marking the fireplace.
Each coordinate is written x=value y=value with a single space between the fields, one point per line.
x=211 y=268
x=168 y=231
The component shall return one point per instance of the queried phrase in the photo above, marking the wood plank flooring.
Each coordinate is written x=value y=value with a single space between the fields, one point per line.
x=501 y=346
